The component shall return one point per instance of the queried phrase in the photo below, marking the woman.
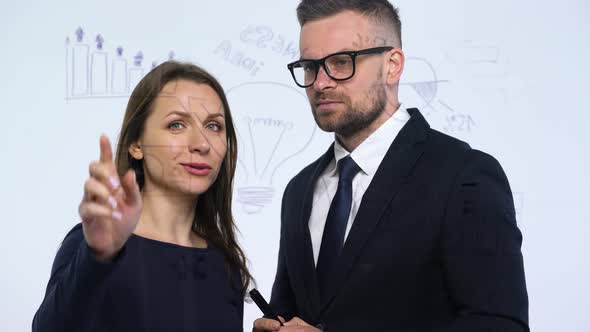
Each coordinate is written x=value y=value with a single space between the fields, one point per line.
x=156 y=249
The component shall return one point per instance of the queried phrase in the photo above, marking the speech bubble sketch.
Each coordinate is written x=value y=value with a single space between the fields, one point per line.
x=490 y=70
x=244 y=52
x=270 y=132
x=263 y=37
x=486 y=56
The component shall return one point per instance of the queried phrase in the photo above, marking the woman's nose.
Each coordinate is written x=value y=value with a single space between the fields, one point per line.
x=199 y=142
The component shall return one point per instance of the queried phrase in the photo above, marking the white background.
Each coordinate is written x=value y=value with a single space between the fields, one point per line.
x=509 y=77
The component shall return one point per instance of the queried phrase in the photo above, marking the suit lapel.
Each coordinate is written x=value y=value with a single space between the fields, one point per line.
x=305 y=266
x=388 y=180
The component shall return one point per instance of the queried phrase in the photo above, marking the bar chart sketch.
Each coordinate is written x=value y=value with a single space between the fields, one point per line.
x=92 y=71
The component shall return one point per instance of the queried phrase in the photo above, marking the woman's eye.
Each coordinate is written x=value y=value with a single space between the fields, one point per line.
x=214 y=126
x=176 y=125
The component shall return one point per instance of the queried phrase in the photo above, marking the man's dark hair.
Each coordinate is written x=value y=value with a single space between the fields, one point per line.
x=380 y=12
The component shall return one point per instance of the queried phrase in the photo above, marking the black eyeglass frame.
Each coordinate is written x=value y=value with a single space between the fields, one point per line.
x=322 y=62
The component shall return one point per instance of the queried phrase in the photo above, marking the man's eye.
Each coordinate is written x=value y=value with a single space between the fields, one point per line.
x=343 y=62
x=307 y=67
x=340 y=61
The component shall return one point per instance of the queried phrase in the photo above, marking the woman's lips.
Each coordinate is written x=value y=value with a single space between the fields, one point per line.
x=198 y=169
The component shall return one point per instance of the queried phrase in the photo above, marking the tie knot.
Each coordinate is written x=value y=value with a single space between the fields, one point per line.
x=347 y=168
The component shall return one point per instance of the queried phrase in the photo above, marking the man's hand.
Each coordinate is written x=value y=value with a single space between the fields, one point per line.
x=298 y=325
x=265 y=324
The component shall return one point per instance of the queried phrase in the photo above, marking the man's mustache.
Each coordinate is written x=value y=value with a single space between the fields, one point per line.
x=331 y=96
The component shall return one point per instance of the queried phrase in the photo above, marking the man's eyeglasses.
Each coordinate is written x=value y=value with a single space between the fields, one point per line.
x=339 y=66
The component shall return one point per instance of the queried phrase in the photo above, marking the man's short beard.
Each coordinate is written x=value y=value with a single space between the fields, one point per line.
x=357 y=117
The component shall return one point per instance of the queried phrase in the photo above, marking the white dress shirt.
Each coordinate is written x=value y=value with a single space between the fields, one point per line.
x=368 y=156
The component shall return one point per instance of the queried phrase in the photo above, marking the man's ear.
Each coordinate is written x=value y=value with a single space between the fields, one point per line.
x=136 y=151
x=396 y=63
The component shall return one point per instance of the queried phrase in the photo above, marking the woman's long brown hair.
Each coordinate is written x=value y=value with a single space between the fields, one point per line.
x=214 y=213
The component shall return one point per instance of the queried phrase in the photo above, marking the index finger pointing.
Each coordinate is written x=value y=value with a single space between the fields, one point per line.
x=106 y=153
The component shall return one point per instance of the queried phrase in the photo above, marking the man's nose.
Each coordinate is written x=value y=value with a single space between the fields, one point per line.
x=323 y=80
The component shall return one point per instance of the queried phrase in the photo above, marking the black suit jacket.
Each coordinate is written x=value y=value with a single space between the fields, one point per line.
x=434 y=246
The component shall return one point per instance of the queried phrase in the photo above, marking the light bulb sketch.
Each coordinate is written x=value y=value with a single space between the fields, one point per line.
x=270 y=132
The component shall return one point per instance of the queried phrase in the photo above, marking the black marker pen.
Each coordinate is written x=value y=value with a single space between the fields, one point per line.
x=264 y=306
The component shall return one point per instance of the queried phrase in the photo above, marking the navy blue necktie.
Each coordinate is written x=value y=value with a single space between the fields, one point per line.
x=333 y=237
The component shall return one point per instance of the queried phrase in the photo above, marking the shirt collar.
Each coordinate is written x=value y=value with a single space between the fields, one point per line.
x=369 y=154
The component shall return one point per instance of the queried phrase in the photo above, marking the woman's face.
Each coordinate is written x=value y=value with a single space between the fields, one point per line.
x=183 y=144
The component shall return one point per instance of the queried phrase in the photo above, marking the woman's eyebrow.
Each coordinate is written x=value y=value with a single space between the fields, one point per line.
x=180 y=113
x=215 y=115
x=185 y=114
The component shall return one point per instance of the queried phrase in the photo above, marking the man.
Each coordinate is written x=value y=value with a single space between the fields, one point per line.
x=397 y=227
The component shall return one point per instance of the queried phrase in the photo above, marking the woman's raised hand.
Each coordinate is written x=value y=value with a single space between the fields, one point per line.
x=111 y=206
